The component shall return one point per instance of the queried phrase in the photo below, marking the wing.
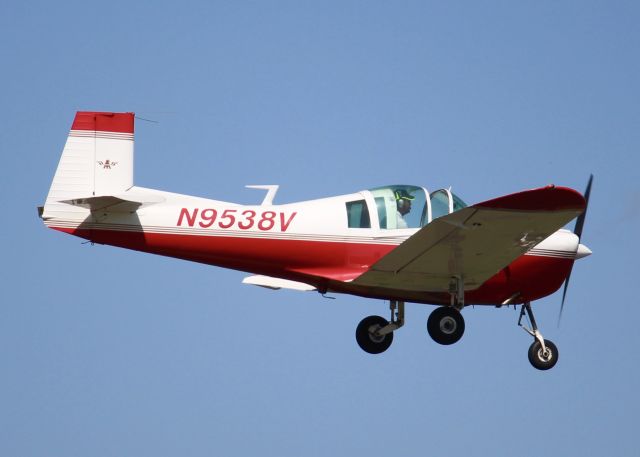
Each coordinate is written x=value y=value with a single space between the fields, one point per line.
x=476 y=242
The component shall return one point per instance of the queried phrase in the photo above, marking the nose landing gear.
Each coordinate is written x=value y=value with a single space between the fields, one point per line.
x=543 y=354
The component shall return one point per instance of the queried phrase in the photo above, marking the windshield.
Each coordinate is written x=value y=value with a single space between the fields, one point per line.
x=439 y=203
x=400 y=206
x=457 y=202
x=404 y=206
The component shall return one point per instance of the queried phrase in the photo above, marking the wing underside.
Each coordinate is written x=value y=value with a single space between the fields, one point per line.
x=474 y=243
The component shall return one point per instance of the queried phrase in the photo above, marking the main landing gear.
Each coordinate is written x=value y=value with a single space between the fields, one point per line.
x=374 y=334
x=543 y=354
x=445 y=325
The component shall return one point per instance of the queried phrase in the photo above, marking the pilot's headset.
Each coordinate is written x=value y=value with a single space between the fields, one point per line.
x=402 y=194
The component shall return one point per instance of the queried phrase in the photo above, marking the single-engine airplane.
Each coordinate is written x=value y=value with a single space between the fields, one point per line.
x=399 y=243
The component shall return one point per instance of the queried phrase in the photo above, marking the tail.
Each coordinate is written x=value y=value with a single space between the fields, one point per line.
x=97 y=161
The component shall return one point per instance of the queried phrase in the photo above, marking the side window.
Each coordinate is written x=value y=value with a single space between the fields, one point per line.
x=358 y=214
x=382 y=212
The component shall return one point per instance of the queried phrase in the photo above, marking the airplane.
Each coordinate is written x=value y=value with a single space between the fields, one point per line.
x=399 y=243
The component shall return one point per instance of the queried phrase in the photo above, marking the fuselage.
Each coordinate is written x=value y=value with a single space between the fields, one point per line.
x=325 y=243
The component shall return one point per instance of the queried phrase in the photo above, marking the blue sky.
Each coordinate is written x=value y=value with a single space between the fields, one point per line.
x=109 y=352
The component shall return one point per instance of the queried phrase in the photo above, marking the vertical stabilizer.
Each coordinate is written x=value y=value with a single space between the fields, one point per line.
x=97 y=159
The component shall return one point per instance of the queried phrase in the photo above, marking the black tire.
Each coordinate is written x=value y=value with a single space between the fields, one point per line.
x=445 y=325
x=539 y=359
x=366 y=339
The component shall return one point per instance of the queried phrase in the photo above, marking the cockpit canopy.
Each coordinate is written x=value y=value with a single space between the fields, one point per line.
x=406 y=206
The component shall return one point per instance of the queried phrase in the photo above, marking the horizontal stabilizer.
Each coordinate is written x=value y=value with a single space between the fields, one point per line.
x=114 y=204
x=276 y=283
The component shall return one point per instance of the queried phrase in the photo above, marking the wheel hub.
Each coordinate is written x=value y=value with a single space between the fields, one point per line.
x=373 y=334
x=545 y=356
x=448 y=325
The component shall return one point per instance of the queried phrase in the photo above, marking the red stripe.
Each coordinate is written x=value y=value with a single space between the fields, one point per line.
x=321 y=263
x=104 y=122
x=339 y=260
x=550 y=198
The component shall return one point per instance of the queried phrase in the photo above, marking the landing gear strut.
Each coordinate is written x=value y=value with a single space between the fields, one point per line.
x=543 y=354
x=374 y=334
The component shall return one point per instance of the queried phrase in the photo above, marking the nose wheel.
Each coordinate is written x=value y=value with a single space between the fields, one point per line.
x=543 y=354
x=543 y=358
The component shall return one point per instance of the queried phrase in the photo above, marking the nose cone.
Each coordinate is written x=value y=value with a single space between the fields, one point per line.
x=582 y=251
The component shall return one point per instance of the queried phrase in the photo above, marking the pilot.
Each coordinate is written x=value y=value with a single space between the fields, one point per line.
x=403 y=202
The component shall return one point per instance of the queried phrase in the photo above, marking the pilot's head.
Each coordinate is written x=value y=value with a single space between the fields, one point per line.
x=403 y=200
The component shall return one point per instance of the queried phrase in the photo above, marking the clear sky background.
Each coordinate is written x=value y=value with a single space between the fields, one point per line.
x=107 y=352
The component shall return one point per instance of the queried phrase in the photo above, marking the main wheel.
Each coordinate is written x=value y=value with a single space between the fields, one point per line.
x=368 y=340
x=445 y=325
x=540 y=359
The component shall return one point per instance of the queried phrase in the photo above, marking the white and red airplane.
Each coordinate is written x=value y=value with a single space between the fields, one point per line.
x=399 y=243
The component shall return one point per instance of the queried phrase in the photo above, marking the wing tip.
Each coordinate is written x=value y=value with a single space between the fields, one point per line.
x=549 y=198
